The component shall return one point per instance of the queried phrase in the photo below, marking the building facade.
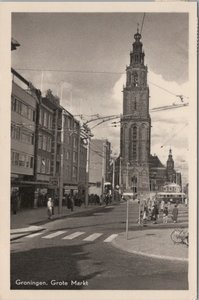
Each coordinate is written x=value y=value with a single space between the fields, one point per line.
x=161 y=175
x=23 y=128
x=37 y=145
x=99 y=165
x=135 y=134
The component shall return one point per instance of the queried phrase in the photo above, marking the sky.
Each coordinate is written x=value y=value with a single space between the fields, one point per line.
x=84 y=56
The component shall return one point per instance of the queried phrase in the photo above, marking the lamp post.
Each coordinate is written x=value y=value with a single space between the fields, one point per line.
x=87 y=136
x=103 y=167
x=87 y=171
x=127 y=175
x=113 y=180
x=61 y=165
x=120 y=175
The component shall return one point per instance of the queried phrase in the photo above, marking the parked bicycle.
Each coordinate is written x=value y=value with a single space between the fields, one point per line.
x=180 y=236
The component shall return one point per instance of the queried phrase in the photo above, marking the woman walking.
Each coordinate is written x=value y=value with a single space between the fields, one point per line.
x=49 y=208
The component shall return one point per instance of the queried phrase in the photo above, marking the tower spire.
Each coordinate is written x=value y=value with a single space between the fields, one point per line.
x=138 y=27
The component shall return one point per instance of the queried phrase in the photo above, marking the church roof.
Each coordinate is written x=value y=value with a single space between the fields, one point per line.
x=154 y=162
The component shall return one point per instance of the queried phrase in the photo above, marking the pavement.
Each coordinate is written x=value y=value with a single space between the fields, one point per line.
x=154 y=243
x=33 y=220
x=152 y=240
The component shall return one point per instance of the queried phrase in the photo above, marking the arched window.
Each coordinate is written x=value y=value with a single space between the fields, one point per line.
x=134 y=140
x=143 y=132
x=135 y=104
x=134 y=184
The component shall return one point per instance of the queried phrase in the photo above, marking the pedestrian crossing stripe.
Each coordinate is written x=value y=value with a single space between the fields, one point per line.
x=110 y=238
x=92 y=237
x=34 y=234
x=73 y=235
x=52 y=235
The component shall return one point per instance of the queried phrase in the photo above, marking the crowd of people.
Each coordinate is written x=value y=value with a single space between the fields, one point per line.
x=151 y=211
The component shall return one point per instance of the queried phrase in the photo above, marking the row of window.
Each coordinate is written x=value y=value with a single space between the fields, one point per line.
x=68 y=139
x=43 y=165
x=45 y=118
x=23 y=109
x=74 y=172
x=71 y=124
x=45 y=142
x=22 y=160
x=22 y=135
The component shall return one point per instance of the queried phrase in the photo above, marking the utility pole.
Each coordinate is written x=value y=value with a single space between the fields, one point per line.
x=61 y=165
x=113 y=180
x=127 y=176
x=120 y=175
x=61 y=157
x=87 y=136
x=87 y=171
x=103 y=167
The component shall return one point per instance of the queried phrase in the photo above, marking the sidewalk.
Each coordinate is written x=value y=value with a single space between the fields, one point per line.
x=33 y=219
x=155 y=243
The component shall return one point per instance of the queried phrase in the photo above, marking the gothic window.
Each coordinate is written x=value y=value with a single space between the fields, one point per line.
x=128 y=78
x=143 y=132
x=134 y=184
x=135 y=104
x=134 y=142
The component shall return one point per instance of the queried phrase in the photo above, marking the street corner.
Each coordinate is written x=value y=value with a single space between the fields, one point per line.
x=21 y=232
x=156 y=243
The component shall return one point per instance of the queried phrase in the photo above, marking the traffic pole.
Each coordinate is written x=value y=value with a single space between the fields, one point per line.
x=127 y=218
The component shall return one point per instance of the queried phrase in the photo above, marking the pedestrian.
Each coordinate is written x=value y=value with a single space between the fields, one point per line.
x=175 y=214
x=71 y=200
x=145 y=214
x=140 y=220
x=155 y=213
x=14 y=201
x=162 y=206
x=49 y=208
x=53 y=206
x=165 y=214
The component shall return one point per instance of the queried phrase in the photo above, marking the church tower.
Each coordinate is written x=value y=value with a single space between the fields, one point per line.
x=135 y=133
x=170 y=168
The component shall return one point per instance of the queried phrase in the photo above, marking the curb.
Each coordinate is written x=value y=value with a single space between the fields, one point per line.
x=149 y=255
x=44 y=222
x=25 y=234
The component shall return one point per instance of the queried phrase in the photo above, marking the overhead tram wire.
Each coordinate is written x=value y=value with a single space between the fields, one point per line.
x=91 y=72
x=175 y=134
x=142 y=23
x=69 y=71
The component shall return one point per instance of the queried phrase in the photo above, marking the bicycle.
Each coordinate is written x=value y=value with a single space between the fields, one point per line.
x=180 y=236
